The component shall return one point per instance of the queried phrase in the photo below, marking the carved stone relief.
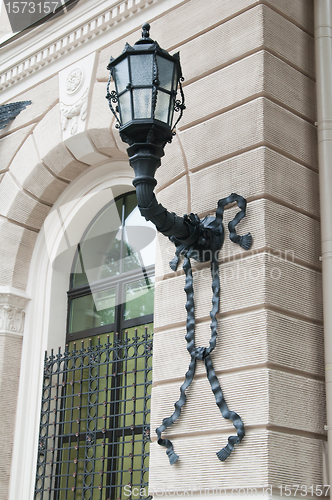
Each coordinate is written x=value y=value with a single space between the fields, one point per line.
x=12 y=313
x=74 y=80
x=71 y=114
x=75 y=87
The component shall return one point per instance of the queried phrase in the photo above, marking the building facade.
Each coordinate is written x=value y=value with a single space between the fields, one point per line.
x=249 y=127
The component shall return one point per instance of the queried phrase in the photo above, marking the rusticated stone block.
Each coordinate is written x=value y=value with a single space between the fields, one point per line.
x=33 y=176
x=10 y=144
x=172 y=164
x=271 y=390
x=270 y=280
x=19 y=206
x=170 y=30
x=244 y=79
x=244 y=340
x=169 y=197
x=16 y=246
x=200 y=471
x=248 y=126
x=255 y=463
x=259 y=172
x=51 y=149
x=299 y=11
x=254 y=29
x=287 y=40
x=227 y=17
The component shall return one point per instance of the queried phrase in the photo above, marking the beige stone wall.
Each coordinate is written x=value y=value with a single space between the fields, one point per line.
x=10 y=349
x=248 y=128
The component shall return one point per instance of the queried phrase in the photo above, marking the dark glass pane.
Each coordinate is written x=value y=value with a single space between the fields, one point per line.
x=165 y=73
x=141 y=69
x=171 y=114
x=142 y=103
x=162 y=106
x=130 y=205
x=121 y=75
x=139 y=298
x=91 y=311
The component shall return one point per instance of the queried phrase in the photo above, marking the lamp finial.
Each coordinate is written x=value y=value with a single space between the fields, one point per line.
x=146 y=30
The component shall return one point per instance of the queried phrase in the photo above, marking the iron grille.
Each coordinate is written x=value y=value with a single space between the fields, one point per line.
x=94 y=429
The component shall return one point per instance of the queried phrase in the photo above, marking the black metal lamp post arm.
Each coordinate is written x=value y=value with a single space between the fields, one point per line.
x=145 y=159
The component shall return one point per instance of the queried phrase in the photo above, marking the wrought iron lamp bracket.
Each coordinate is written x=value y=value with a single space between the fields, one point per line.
x=206 y=248
x=194 y=238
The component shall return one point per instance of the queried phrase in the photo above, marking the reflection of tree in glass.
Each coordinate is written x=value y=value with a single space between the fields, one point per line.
x=106 y=316
x=139 y=298
x=111 y=265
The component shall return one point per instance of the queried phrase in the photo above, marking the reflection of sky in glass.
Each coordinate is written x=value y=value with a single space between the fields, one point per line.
x=133 y=235
x=109 y=249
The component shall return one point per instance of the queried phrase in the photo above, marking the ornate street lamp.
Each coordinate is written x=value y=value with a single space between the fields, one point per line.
x=147 y=79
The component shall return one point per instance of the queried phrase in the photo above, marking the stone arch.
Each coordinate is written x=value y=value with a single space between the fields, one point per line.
x=39 y=171
x=46 y=313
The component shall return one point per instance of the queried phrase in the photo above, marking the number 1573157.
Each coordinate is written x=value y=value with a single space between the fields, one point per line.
x=31 y=7
x=318 y=490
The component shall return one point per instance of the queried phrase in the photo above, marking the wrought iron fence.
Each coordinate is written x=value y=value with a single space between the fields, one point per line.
x=94 y=428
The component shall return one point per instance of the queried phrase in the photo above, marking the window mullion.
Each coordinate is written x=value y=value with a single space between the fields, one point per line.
x=122 y=234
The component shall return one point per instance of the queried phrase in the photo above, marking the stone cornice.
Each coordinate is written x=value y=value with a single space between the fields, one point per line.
x=51 y=46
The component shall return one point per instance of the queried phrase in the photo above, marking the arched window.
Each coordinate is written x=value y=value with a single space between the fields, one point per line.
x=94 y=431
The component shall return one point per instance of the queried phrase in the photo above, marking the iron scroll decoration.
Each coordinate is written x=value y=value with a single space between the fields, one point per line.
x=193 y=238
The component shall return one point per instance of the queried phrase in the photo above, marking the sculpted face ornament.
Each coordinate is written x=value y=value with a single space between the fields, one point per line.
x=147 y=79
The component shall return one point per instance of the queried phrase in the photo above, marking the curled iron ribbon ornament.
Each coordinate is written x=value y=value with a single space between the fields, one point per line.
x=203 y=250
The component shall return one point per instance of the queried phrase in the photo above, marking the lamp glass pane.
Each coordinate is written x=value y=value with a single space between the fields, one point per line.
x=161 y=112
x=141 y=69
x=125 y=107
x=121 y=76
x=165 y=73
x=142 y=103
x=176 y=78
